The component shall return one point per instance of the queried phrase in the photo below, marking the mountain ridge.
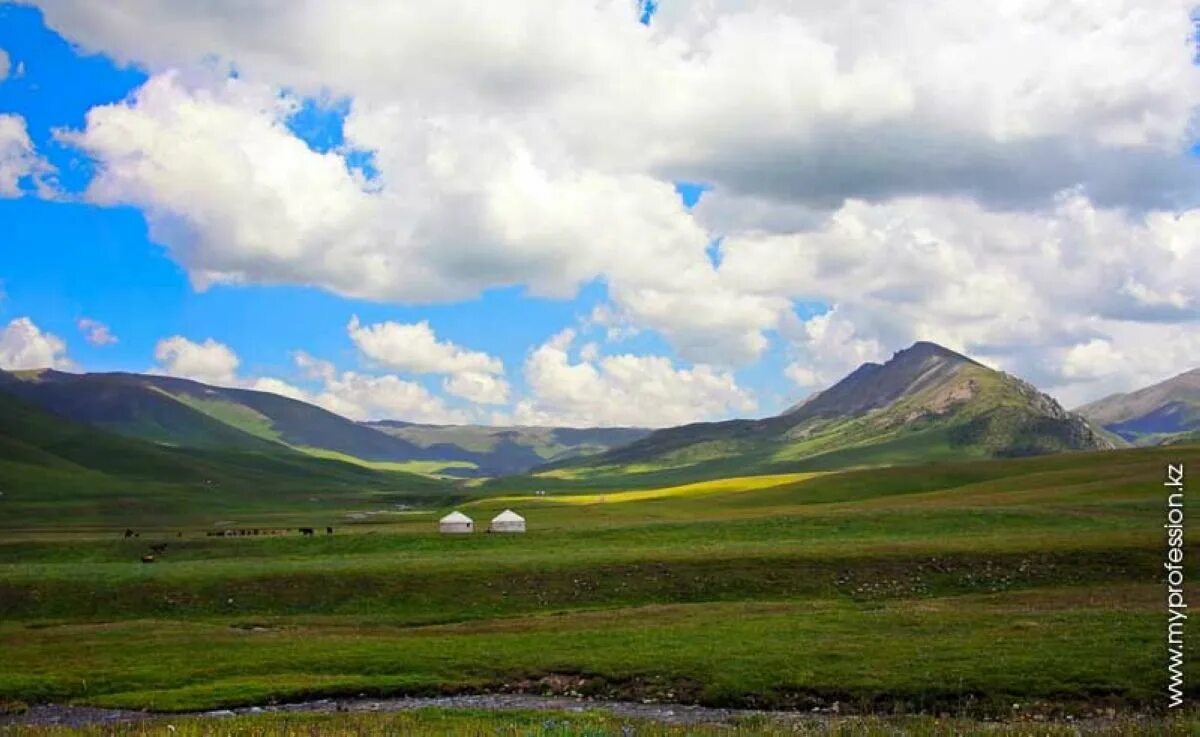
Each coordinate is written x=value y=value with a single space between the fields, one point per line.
x=926 y=400
x=912 y=364
x=1158 y=413
x=180 y=412
x=175 y=411
x=512 y=449
x=51 y=466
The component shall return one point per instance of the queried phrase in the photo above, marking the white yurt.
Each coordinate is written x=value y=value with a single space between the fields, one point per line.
x=507 y=521
x=456 y=523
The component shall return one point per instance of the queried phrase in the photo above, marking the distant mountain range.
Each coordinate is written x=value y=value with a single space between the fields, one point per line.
x=182 y=413
x=926 y=403
x=1163 y=413
x=499 y=451
x=119 y=447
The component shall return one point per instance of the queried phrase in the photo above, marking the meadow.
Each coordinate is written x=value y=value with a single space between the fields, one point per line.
x=959 y=588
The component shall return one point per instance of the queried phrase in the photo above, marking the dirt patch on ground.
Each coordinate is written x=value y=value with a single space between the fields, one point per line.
x=71 y=716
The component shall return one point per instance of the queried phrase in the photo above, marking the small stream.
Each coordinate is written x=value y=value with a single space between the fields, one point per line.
x=665 y=713
x=659 y=712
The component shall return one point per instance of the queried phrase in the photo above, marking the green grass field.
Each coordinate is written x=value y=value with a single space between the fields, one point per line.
x=948 y=587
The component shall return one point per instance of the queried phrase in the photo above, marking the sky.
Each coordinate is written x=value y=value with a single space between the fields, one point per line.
x=592 y=212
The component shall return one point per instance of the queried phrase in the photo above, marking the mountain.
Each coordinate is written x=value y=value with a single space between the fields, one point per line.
x=1162 y=413
x=926 y=403
x=52 y=467
x=188 y=414
x=498 y=451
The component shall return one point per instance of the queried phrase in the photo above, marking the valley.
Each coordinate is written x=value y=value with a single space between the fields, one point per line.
x=917 y=540
x=599 y=368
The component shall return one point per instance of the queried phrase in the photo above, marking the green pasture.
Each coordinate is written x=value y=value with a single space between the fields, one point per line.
x=960 y=587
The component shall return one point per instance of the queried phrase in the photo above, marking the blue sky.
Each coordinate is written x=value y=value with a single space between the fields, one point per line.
x=648 y=216
x=63 y=261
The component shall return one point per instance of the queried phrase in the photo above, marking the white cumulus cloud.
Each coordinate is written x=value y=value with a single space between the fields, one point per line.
x=348 y=393
x=95 y=332
x=19 y=162
x=414 y=348
x=366 y=397
x=829 y=347
x=23 y=345
x=478 y=387
x=622 y=390
x=209 y=362
x=363 y=397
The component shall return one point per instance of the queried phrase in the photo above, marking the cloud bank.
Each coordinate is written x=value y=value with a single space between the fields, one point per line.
x=1010 y=179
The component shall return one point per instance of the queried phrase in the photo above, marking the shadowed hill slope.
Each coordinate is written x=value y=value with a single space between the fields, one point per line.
x=187 y=413
x=53 y=469
x=182 y=413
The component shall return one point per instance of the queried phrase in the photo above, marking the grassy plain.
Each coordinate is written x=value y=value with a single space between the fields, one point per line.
x=961 y=587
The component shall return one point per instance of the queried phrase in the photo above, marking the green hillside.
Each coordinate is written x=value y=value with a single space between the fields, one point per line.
x=180 y=412
x=128 y=405
x=183 y=413
x=53 y=469
x=927 y=403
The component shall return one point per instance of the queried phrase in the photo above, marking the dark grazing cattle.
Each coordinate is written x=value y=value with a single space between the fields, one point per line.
x=306 y=531
x=129 y=533
x=158 y=548
x=328 y=530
